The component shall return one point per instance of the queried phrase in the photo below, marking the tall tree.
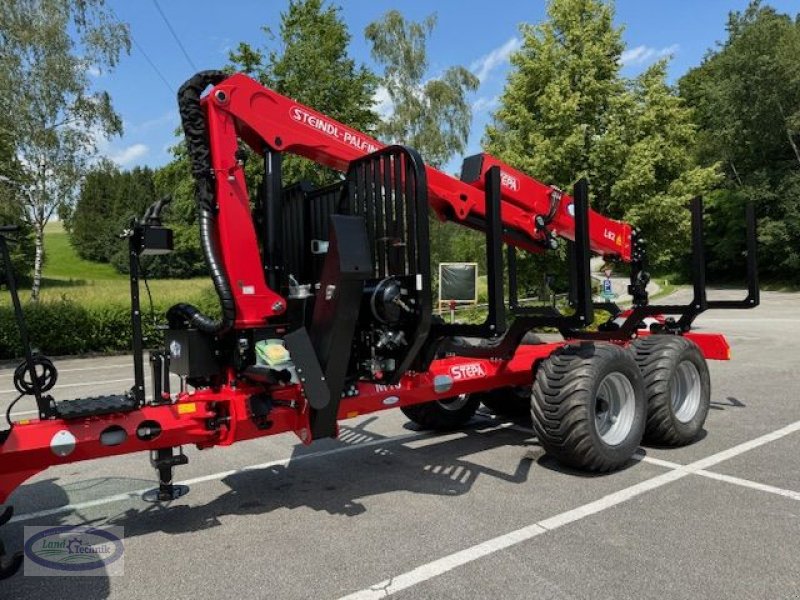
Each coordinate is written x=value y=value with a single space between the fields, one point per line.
x=746 y=95
x=11 y=211
x=313 y=67
x=556 y=102
x=642 y=169
x=187 y=259
x=555 y=105
x=46 y=50
x=107 y=201
x=431 y=115
x=567 y=112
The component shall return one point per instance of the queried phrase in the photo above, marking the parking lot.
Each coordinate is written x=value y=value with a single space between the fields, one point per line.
x=389 y=510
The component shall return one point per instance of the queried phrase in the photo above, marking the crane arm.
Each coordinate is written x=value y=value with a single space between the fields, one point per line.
x=530 y=209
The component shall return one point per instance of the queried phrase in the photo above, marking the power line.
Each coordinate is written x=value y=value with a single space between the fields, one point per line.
x=152 y=64
x=144 y=54
x=175 y=36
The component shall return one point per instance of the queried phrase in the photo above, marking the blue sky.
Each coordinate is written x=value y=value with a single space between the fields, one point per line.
x=476 y=34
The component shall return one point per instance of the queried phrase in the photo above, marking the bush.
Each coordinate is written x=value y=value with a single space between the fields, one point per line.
x=19 y=244
x=63 y=327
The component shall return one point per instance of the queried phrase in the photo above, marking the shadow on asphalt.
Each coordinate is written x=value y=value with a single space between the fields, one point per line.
x=59 y=586
x=336 y=484
x=731 y=403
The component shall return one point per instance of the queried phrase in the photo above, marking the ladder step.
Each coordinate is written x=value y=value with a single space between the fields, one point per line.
x=95 y=406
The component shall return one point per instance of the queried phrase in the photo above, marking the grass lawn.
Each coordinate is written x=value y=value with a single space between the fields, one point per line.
x=64 y=263
x=66 y=275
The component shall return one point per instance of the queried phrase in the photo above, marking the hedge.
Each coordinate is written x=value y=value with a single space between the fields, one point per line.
x=63 y=327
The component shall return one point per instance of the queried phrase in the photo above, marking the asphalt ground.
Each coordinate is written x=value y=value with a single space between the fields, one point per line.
x=484 y=513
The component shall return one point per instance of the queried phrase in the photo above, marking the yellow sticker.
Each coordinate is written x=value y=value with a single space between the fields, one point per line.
x=186 y=408
x=351 y=414
x=619 y=240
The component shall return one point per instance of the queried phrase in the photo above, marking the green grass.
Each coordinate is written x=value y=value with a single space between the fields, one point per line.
x=166 y=292
x=64 y=263
x=666 y=288
x=91 y=284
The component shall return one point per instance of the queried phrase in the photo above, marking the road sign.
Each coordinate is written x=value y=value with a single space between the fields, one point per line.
x=459 y=282
x=608 y=292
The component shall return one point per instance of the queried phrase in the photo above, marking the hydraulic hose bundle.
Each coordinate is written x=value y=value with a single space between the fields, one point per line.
x=194 y=126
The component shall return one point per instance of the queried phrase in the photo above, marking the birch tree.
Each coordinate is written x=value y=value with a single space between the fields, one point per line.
x=47 y=48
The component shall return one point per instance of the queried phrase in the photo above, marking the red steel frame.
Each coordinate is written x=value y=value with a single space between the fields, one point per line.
x=240 y=108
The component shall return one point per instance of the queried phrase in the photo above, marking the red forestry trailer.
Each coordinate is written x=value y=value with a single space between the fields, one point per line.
x=326 y=309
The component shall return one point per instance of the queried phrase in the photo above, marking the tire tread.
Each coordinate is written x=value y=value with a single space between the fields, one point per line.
x=657 y=356
x=559 y=411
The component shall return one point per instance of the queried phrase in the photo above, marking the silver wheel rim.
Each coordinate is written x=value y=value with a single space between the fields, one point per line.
x=685 y=391
x=455 y=403
x=615 y=408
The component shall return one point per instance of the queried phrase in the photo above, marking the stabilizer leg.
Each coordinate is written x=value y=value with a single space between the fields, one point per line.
x=164 y=460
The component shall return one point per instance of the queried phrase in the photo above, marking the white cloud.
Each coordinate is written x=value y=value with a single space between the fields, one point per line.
x=382 y=102
x=127 y=155
x=94 y=71
x=644 y=54
x=485 y=104
x=489 y=62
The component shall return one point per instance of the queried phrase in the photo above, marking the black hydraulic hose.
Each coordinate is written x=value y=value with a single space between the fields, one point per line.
x=197 y=144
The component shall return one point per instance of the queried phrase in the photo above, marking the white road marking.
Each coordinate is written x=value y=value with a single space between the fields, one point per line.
x=762 y=487
x=443 y=565
x=75 y=370
x=424 y=436
x=128 y=365
x=73 y=385
x=14 y=415
x=667 y=464
x=719 y=457
x=223 y=474
x=748 y=483
x=134 y=495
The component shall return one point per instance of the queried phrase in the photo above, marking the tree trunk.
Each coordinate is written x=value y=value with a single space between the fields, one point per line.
x=736 y=173
x=792 y=144
x=38 y=262
x=789 y=133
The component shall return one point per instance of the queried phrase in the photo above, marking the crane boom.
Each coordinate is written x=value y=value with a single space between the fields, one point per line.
x=530 y=209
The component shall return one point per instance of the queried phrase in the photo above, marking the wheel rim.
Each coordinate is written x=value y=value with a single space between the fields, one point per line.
x=455 y=403
x=685 y=391
x=615 y=407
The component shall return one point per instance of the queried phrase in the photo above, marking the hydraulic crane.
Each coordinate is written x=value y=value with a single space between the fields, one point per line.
x=326 y=312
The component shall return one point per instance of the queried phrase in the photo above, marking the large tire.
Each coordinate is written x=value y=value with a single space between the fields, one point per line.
x=678 y=388
x=446 y=414
x=508 y=401
x=588 y=406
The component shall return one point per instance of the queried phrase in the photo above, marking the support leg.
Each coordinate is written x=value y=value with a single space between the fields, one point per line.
x=164 y=460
